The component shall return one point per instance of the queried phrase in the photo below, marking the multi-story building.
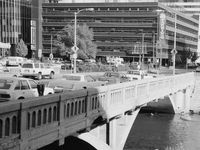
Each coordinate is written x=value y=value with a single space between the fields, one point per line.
x=19 y=19
x=15 y=21
x=123 y=29
x=189 y=8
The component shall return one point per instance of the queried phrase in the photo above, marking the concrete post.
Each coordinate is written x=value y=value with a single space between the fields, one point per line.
x=187 y=100
x=113 y=134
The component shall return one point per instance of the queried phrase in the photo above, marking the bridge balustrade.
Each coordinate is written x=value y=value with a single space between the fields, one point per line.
x=43 y=120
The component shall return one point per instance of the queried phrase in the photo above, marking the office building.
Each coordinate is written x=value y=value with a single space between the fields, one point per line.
x=189 y=8
x=19 y=19
x=128 y=30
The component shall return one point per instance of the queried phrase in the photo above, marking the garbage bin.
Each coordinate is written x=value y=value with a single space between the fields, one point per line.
x=40 y=88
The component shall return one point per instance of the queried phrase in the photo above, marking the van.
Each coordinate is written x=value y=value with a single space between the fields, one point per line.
x=13 y=60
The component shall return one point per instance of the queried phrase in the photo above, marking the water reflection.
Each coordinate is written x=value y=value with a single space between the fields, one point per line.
x=164 y=131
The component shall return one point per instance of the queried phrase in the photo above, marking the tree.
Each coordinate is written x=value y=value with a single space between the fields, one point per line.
x=65 y=41
x=21 y=48
x=186 y=54
x=194 y=57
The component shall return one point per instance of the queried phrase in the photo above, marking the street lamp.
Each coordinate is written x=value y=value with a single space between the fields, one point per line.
x=142 y=62
x=75 y=48
x=174 y=50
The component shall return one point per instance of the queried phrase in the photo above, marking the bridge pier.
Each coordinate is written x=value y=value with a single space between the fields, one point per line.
x=115 y=132
x=181 y=100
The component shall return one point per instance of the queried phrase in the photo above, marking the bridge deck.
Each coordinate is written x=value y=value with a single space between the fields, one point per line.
x=34 y=123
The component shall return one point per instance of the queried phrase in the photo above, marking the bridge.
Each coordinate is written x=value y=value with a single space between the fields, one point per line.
x=101 y=116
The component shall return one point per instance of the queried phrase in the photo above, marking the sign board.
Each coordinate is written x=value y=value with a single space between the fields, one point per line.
x=5 y=45
x=51 y=56
x=173 y=51
x=39 y=53
x=33 y=35
x=162 y=27
x=73 y=56
x=75 y=48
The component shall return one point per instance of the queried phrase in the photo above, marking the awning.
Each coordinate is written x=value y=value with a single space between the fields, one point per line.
x=5 y=45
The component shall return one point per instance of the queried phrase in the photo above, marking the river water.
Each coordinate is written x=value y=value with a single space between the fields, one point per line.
x=164 y=132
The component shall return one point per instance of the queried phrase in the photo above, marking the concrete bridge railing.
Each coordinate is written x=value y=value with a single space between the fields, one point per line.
x=34 y=123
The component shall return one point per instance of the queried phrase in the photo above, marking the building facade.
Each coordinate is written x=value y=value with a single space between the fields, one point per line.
x=15 y=22
x=19 y=19
x=189 y=8
x=128 y=30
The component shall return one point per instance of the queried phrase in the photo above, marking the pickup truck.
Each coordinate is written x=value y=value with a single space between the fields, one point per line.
x=37 y=70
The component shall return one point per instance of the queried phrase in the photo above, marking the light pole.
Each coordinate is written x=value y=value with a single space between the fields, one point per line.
x=143 y=50
x=51 y=54
x=174 y=50
x=75 y=48
x=142 y=53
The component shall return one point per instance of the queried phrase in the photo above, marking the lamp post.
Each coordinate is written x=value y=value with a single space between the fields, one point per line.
x=51 y=54
x=75 y=48
x=174 y=50
x=142 y=53
x=143 y=50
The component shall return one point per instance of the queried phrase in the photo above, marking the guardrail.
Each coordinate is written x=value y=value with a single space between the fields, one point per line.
x=34 y=123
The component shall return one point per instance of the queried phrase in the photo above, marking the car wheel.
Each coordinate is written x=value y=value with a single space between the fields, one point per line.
x=39 y=76
x=51 y=76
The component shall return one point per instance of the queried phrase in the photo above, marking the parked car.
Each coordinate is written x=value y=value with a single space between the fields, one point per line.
x=198 y=69
x=66 y=66
x=12 y=88
x=138 y=75
x=114 y=77
x=71 y=82
x=37 y=70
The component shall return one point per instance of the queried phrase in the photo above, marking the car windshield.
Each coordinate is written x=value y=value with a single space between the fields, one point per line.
x=5 y=84
x=133 y=72
x=27 y=66
x=74 y=78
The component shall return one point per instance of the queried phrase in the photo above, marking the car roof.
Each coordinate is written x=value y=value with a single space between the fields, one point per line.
x=14 y=78
x=74 y=74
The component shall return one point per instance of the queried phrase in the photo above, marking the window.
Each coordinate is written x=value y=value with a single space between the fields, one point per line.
x=89 y=79
x=71 y=77
x=33 y=84
x=27 y=66
x=5 y=84
x=17 y=87
x=24 y=85
x=36 y=65
x=41 y=66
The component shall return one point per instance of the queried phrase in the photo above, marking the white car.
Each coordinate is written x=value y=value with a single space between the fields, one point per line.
x=37 y=70
x=137 y=75
x=12 y=88
x=71 y=82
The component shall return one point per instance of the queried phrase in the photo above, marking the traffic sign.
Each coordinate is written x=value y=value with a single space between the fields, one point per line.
x=75 y=48
x=173 y=51
x=39 y=53
x=73 y=56
x=51 y=56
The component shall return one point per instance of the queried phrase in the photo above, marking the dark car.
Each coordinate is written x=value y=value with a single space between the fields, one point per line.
x=66 y=66
x=114 y=77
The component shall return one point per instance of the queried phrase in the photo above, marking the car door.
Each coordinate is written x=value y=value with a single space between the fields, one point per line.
x=17 y=90
x=26 y=90
x=33 y=87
